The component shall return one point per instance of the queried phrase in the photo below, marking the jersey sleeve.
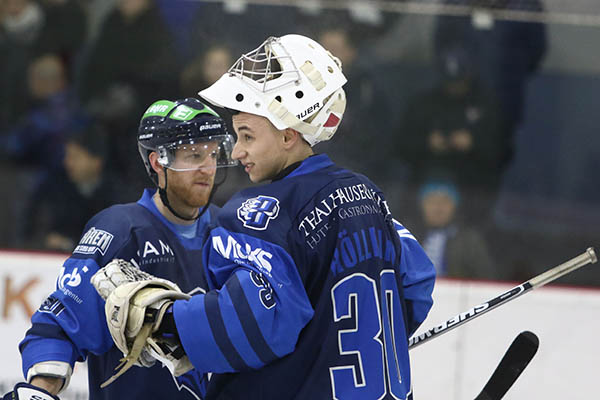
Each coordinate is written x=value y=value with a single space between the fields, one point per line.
x=255 y=311
x=418 y=277
x=70 y=323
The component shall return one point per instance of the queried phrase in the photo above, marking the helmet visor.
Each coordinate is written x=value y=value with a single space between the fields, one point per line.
x=210 y=152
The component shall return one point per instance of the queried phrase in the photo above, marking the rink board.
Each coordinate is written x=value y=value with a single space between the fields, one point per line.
x=454 y=366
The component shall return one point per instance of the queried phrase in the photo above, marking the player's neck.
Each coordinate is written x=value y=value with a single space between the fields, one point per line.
x=164 y=210
x=298 y=154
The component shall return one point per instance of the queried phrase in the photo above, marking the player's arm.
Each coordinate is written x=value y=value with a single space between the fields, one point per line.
x=64 y=328
x=50 y=384
x=70 y=322
x=45 y=381
x=418 y=278
x=254 y=317
x=256 y=314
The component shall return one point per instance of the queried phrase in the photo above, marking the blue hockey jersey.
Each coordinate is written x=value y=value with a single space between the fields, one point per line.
x=314 y=292
x=70 y=325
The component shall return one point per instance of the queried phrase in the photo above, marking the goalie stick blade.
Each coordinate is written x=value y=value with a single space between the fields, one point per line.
x=516 y=358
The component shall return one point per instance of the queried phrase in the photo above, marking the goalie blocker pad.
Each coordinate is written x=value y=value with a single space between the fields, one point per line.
x=26 y=391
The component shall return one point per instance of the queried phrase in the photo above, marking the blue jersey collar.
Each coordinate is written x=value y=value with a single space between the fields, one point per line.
x=311 y=164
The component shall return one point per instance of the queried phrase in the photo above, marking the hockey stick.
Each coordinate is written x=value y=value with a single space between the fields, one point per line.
x=516 y=358
x=571 y=265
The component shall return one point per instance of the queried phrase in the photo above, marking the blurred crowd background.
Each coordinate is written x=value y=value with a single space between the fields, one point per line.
x=478 y=118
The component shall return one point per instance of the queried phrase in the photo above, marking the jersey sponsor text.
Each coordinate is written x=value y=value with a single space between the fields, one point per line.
x=94 y=240
x=236 y=252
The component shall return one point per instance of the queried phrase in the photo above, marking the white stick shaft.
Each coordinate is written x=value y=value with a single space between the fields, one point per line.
x=571 y=265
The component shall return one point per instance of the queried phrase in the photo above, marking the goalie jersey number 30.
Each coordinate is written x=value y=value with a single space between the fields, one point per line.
x=377 y=315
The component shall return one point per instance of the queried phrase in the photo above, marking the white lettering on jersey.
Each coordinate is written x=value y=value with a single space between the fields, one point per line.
x=150 y=248
x=94 y=240
x=73 y=279
x=234 y=251
x=339 y=197
x=164 y=248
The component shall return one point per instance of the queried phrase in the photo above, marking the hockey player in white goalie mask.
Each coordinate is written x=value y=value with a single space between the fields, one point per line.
x=315 y=289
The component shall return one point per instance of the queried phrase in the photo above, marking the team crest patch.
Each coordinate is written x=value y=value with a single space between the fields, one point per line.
x=256 y=212
x=52 y=305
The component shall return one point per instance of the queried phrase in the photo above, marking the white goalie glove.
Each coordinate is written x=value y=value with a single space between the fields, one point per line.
x=136 y=303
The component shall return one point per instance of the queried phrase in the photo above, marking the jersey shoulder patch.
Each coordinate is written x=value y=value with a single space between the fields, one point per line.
x=110 y=225
x=256 y=212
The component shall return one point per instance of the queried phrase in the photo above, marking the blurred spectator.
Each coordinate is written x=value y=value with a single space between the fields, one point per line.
x=22 y=19
x=364 y=19
x=116 y=110
x=456 y=250
x=248 y=24
x=205 y=69
x=358 y=141
x=67 y=198
x=455 y=127
x=505 y=53
x=340 y=43
x=131 y=60
x=21 y=22
x=179 y=17
x=38 y=138
x=134 y=49
x=243 y=25
x=64 y=31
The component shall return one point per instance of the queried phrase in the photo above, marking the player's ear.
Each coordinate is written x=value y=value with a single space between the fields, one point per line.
x=153 y=158
x=290 y=137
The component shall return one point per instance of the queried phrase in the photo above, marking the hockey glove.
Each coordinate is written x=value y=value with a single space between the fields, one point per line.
x=136 y=303
x=26 y=391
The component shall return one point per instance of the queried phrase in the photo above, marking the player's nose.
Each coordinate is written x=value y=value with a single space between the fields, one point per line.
x=238 y=152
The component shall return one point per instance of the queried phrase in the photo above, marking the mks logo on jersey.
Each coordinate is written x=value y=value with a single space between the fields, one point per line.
x=94 y=240
x=256 y=212
x=236 y=252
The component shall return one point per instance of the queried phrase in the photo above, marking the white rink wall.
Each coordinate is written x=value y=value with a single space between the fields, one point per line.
x=457 y=364
x=454 y=366
x=26 y=279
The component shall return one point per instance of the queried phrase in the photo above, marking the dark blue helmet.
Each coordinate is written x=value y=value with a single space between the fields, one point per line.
x=185 y=134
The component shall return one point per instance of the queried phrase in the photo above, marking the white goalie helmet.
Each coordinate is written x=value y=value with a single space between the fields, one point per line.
x=292 y=81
